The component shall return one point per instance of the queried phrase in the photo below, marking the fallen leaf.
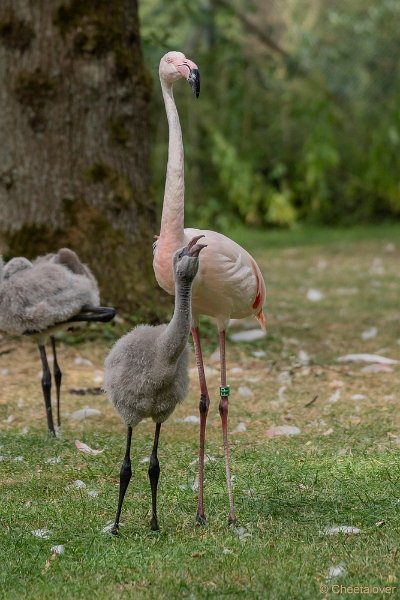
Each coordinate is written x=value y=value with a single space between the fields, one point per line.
x=98 y=377
x=369 y=358
x=207 y=458
x=53 y=460
x=377 y=368
x=281 y=393
x=242 y=533
x=108 y=527
x=390 y=247
x=245 y=391
x=84 y=413
x=249 y=335
x=336 y=571
x=83 y=361
x=379 y=523
x=304 y=357
x=336 y=383
x=195 y=484
x=86 y=449
x=42 y=533
x=189 y=419
x=314 y=295
x=283 y=430
x=335 y=396
x=285 y=378
x=47 y=564
x=215 y=356
x=355 y=420
x=347 y=529
x=254 y=379
x=78 y=484
x=240 y=428
x=328 y=431
x=370 y=333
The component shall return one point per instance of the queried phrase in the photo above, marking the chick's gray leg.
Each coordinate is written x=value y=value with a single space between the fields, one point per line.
x=154 y=474
x=57 y=378
x=46 y=387
x=125 y=475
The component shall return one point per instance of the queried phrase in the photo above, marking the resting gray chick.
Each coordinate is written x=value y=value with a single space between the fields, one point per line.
x=42 y=297
x=146 y=372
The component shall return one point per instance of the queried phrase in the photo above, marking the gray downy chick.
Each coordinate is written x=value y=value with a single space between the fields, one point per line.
x=42 y=297
x=146 y=372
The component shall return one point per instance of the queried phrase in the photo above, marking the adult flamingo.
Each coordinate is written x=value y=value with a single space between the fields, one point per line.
x=229 y=283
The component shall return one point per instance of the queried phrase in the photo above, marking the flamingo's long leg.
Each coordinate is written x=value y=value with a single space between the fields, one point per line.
x=46 y=387
x=125 y=475
x=203 y=408
x=154 y=474
x=57 y=378
x=223 y=411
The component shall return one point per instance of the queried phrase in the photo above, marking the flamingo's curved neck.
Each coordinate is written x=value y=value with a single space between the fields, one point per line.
x=172 y=220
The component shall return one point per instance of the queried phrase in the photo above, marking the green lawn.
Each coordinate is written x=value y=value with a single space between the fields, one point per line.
x=343 y=469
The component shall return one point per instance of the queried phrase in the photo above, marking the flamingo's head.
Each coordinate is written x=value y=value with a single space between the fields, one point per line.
x=175 y=65
x=186 y=260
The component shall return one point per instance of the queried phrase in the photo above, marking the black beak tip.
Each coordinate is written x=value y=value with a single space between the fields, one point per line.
x=194 y=81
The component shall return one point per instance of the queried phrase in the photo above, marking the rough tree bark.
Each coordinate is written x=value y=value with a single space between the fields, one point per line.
x=74 y=168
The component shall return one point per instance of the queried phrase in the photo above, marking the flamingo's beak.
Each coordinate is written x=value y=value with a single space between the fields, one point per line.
x=194 y=81
x=189 y=70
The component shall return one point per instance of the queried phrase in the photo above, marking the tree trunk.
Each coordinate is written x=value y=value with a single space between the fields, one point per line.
x=74 y=157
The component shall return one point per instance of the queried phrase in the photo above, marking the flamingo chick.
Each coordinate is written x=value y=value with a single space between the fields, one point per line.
x=42 y=297
x=146 y=372
x=229 y=283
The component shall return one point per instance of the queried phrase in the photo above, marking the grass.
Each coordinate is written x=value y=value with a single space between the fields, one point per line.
x=343 y=468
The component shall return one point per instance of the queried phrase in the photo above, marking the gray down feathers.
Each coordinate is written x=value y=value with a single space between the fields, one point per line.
x=35 y=296
x=138 y=379
x=146 y=372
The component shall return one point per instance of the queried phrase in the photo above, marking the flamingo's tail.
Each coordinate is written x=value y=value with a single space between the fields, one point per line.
x=261 y=319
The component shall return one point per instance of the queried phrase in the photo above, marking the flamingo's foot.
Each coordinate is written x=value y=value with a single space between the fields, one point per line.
x=201 y=519
x=154 y=524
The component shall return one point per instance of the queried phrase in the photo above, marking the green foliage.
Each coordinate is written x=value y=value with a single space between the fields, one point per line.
x=246 y=190
x=298 y=114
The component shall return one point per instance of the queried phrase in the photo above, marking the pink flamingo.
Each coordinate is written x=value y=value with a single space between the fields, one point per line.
x=229 y=283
